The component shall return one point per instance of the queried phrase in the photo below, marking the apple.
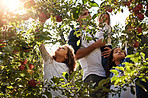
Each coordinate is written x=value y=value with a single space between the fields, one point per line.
x=139 y=29
x=15 y=51
x=109 y=9
x=136 y=10
x=2 y=44
x=115 y=3
x=22 y=67
x=32 y=83
x=136 y=44
x=58 y=18
x=24 y=62
x=139 y=6
x=31 y=66
x=128 y=3
x=140 y=16
x=42 y=17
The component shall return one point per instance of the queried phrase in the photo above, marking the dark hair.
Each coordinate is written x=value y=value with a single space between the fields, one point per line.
x=111 y=63
x=70 y=61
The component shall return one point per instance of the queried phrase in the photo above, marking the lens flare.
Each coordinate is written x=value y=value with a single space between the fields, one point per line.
x=10 y=4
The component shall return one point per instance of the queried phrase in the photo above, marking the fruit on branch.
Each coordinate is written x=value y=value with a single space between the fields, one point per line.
x=32 y=83
x=140 y=16
x=139 y=29
x=109 y=9
x=58 y=18
x=24 y=62
x=139 y=6
x=42 y=17
x=31 y=66
x=22 y=67
x=136 y=44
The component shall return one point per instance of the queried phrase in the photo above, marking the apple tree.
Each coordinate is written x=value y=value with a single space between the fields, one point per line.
x=49 y=22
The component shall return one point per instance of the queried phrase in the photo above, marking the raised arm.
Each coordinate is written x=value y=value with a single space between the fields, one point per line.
x=44 y=53
x=82 y=52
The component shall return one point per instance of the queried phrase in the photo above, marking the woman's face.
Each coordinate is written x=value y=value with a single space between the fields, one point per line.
x=62 y=51
x=118 y=54
x=104 y=18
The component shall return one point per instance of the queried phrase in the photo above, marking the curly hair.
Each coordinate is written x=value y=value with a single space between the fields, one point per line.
x=70 y=61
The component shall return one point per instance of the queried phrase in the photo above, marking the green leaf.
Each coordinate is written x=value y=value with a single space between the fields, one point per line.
x=78 y=42
x=94 y=16
x=93 y=4
x=120 y=68
x=114 y=71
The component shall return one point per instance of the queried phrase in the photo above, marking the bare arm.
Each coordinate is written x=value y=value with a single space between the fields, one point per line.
x=82 y=52
x=44 y=53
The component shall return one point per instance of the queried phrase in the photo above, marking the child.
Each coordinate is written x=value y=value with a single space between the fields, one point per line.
x=117 y=56
x=54 y=66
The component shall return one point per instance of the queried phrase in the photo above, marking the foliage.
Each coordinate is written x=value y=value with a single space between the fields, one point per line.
x=50 y=22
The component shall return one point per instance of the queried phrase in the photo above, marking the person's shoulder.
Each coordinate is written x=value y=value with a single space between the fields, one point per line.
x=72 y=33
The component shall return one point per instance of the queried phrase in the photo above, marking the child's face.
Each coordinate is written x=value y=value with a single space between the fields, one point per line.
x=62 y=51
x=118 y=54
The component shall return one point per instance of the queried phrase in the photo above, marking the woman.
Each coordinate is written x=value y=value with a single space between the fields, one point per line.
x=105 y=33
x=117 y=56
x=54 y=66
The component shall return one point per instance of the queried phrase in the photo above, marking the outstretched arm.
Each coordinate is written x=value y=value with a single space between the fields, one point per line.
x=82 y=52
x=44 y=53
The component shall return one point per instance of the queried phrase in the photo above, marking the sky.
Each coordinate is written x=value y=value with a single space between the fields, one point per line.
x=119 y=18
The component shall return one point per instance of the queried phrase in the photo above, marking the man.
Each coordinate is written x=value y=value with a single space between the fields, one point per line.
x=88 y=53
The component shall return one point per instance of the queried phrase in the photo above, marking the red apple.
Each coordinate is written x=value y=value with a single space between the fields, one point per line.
x=32 y=83
x=139 y=29
x=31 y=66
x=109 y=9
x=136 y=10
x=115 y=3
x=2 y=44
x=139 y=6
x=59 y=18
x=140 y=16
x=24 y=62
x=128 y=3
x=42 y=17
x=22 y=67
x=136 y=44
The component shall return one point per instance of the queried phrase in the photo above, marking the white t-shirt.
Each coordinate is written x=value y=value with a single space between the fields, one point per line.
x=54 y=69
x=91 y=64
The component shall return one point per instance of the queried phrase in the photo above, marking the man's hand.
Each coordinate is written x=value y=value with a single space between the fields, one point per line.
x=106 y=53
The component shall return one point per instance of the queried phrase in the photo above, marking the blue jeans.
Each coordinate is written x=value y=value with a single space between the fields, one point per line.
x=94 y=79
x=140 y=92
